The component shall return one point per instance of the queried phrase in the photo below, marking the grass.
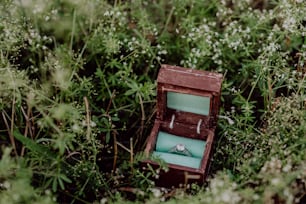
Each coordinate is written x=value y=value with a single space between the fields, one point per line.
x=78 y=94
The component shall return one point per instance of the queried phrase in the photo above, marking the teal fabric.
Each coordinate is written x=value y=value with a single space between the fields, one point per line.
x=178 y=159
x=166 y=141
x=188 y=103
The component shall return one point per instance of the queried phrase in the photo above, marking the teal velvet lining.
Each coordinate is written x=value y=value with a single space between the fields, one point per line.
x=188 y=103
x=166 y=141
x=178 y=159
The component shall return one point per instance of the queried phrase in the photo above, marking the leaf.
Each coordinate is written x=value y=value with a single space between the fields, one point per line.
x=129 y=92
x=61 y=183
x=54 y=185
x=61 y=178
x=107 y=137
x=65 y=178
x=33 y=146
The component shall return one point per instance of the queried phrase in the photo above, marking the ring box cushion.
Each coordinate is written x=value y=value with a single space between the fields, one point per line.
x=188 y=103
x=166 y=141
x=178 y=159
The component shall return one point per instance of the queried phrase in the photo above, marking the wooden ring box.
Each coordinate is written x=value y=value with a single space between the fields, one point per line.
x=187 y=110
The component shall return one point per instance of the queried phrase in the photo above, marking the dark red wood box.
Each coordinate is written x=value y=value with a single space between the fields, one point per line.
x=181 y=93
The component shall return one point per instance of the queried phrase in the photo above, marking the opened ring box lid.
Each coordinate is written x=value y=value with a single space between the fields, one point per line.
x=187 y=109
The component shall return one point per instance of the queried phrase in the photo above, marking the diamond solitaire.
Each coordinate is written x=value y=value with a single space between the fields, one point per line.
x=180 y=147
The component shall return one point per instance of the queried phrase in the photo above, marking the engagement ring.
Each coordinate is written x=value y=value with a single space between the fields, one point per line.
x=180 y=149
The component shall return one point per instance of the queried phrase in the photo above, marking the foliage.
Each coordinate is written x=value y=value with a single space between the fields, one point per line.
x=77 y=97
x=16 y=182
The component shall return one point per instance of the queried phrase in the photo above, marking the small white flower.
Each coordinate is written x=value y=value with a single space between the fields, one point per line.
x=106 y=13
x=287 y=168
x=256 y=197
x=93 y=124
x=7 y=184
x=75 y=128
x=54 y=11
x=289 y=23
x=226 y=196
x=275 y=181
x=103 y=201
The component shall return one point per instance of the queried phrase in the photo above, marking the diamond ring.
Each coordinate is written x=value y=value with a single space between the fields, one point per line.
x=180 y=149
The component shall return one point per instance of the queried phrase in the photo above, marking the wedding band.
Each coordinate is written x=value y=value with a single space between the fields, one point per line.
x=180 y=149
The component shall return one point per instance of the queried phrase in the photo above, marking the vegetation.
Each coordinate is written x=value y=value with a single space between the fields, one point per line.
x=77 y=97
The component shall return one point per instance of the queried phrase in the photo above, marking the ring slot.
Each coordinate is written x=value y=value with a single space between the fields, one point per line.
x=199 y=126
x=172 y=122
